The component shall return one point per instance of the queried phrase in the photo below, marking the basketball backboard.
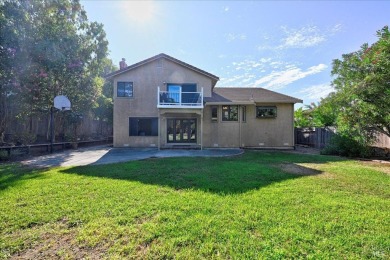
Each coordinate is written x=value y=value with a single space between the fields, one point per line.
x=62 y=103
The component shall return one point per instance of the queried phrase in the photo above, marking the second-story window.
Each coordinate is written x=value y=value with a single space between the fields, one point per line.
x=124 y=89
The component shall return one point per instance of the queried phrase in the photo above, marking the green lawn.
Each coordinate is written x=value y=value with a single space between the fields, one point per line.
x=248 y=206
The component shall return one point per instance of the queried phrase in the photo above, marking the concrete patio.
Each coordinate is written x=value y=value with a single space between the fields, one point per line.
x=105 y=155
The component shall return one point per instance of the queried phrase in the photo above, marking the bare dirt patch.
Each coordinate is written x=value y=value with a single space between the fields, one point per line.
x=58 y=244
x=297 y=169
x=383 y=166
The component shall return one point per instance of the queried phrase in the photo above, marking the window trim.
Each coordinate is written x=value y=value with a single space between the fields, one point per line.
x=132 y=89
x=266 y=116
x=229 y=109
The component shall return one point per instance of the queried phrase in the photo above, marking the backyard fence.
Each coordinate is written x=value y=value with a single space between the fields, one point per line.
x=317 y=137
x=314 y=137
x=382 y=141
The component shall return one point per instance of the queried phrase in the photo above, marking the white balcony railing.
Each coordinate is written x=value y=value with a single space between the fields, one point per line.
x=170 y=99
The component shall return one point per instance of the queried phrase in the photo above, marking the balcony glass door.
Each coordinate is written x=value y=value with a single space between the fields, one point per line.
x=181 y=130
x=174 y=92
x=182 y=93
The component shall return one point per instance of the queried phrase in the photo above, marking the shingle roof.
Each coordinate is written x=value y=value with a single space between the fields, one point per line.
x=163 y=55
x=247 y=95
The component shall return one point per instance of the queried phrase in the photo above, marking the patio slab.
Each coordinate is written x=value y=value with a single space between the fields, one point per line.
x=106 y=155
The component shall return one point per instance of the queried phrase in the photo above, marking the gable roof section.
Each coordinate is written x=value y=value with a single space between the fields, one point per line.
x=248 y=96
x=165 y=56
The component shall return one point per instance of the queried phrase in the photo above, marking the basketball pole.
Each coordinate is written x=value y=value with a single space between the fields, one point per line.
x=51 y=128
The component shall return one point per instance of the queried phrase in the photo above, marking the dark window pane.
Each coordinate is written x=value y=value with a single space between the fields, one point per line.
x=143 y=126
x=229 y=113
x=214 y=113
x=133 y=126
x=266 y=112
x=125 y=89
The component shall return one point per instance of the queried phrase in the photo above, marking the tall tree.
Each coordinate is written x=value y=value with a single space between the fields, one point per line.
x=55 y=50
x=362 y=81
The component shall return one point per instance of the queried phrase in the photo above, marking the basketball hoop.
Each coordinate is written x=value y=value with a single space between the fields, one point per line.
x=62 y=103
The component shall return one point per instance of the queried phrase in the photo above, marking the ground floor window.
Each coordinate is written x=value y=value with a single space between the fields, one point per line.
x=243 y=118
x=229 y=113
x=181 y=130
x=214 y=113
x=143 y=126
x=266 y=112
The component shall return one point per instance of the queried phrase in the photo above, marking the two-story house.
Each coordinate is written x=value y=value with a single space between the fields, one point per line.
x=164 y=102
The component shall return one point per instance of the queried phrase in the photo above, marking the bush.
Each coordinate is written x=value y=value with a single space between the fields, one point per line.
x=24 y=138
x=4 y=155
x=344 y=145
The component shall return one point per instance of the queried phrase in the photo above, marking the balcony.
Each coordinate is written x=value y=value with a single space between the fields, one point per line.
x=178 y=99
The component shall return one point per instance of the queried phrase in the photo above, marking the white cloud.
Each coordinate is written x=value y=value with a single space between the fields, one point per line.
x=317 y=91
x=280 y=79
x=337 y=28
x=300 y=38
x=226 y=9
x=266 y=73
x=304 y=37
x=232 y=37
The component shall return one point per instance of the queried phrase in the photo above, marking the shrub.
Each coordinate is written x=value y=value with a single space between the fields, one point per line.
x=24 y=138
x=4 y=155
x=345 y=145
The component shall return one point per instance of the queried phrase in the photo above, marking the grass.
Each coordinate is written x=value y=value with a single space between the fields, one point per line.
x=257 y=205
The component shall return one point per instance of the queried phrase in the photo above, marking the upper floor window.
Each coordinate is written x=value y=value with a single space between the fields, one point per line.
x=266 y=112
x=229 y=113
x=124 y=89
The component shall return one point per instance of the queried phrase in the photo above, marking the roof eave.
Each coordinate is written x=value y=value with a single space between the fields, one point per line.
x=165 y=56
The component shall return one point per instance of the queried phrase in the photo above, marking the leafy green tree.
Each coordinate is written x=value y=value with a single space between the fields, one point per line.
x=325 y=113
x=11 y=51
x=50 y=48
x=362 y=81
x=302 y=118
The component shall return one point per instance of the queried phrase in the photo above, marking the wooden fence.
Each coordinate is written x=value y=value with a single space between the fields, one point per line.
x=8 y=152
x=314 y=137
x=382 y=141
x=319 y=137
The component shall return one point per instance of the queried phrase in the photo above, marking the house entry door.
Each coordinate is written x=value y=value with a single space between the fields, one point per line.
x=181 y=130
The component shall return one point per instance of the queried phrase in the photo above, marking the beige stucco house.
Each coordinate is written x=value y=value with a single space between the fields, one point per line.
x=164 y=102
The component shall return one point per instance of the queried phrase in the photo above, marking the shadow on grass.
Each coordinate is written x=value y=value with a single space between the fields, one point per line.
x=227 y=175
x=12 y=173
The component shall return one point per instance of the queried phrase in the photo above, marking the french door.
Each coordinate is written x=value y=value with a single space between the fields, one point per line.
x=181 y=130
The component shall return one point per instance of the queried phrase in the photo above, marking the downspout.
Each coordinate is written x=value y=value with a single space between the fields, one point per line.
x=201 y=129
x=239 y=128
x=201 y=122
x=293 y=128
x=159 y=130
x=159 y=119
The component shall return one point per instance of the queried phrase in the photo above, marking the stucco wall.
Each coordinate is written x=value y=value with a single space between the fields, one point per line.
x=146 y=80
x=255 y=132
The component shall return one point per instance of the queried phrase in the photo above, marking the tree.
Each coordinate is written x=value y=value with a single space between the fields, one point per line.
x=362 y=81
x=302 y=118
x=11 y=18
x=49 y=48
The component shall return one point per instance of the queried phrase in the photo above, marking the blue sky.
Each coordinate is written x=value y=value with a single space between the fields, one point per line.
x=286 y=47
